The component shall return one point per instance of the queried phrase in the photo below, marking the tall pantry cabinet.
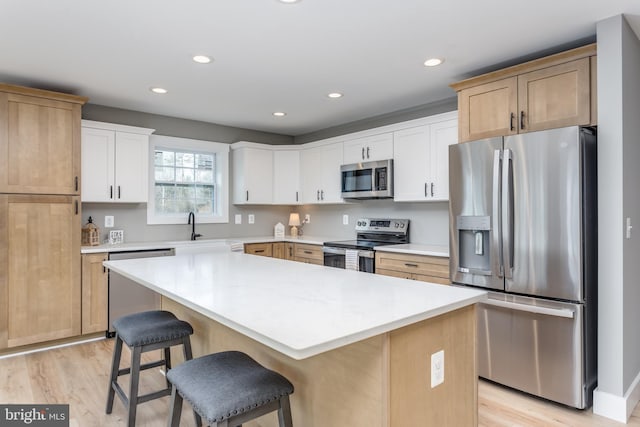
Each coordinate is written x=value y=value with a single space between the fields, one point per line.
x=40 y=271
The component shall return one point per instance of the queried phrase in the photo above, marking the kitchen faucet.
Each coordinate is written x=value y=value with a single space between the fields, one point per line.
x=192 y=217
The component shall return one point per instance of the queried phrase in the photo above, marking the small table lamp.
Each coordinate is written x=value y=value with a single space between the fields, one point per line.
x=294 y=222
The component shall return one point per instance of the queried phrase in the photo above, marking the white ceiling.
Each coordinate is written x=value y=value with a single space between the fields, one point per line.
x=270 y=56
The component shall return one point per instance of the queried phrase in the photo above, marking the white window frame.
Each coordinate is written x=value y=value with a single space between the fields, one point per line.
x=221 y=152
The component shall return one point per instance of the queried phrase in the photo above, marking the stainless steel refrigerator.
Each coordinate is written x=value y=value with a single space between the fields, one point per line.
x=523 y=225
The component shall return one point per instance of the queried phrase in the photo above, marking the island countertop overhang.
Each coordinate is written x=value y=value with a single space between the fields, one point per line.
x=300 y=310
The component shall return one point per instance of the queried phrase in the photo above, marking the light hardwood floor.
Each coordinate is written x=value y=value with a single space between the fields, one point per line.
x=78 y=375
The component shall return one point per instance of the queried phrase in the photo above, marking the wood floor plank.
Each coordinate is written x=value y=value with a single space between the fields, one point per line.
x=78 y=375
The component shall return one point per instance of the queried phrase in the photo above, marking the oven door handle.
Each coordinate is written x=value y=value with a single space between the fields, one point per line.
x=334 y=251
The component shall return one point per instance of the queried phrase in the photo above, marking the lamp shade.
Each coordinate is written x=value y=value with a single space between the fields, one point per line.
x=294 y=219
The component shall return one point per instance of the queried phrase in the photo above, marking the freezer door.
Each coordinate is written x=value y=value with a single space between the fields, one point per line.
x=541 y=212
x=535 y=346
x=474 y=222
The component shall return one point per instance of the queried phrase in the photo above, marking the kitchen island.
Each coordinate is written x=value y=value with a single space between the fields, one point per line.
x=356 y=346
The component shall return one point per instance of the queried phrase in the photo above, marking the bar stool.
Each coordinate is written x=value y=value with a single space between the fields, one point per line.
x=143 y=332
x=228 y=389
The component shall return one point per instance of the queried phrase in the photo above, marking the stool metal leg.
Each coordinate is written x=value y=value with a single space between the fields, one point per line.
x=115 y=366
x=167 y=363
x=136 y=353
x=284 y=412
x=175 y=409
x=186 y=349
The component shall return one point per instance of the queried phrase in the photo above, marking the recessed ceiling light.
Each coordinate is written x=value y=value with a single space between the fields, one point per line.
x=335 y=95
x=279 y=114
x=432 y=62
x=158 y=90
x=202 y=59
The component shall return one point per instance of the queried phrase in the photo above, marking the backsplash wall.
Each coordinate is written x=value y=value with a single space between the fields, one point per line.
x=429 y=221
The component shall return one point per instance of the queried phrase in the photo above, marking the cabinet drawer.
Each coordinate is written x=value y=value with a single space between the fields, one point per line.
x=262 y=249
x=413 y=276
x=303 y=252
x=414 y=264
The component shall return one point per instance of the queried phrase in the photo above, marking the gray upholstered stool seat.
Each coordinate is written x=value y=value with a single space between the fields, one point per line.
x=142 y=332
x=229 y=388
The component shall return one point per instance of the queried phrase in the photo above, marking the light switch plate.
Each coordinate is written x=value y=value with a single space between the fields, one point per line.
x=307 y=218
x=252 y=219
x=345 y=219
x=238 y=218
x=108 y=221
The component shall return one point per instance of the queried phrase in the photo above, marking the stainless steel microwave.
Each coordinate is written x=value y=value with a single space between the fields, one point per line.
x=367 y=180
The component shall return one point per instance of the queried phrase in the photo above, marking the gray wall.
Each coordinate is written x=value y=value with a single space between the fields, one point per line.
x=429 y=221
x=618 y=178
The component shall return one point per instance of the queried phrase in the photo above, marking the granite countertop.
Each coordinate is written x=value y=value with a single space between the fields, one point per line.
x=416 y=249
x=298 y=309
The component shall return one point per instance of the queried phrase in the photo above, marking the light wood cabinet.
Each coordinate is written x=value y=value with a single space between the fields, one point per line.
x=546 y=93
x=369 y=148
x=252 y=176
x=262 y=249
x=320 y=171
x=95 y=293
x=286 y=177
x=421 y=160
x=308 y=253
x=39 y=141
x=416 y=267
x=40 y=287
x=115 y=163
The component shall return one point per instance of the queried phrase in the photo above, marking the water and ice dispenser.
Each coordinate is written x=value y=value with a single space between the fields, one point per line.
x=474 y=241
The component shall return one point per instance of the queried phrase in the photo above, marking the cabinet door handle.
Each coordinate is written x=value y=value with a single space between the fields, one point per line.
x=426 y=185
x=119 y=194
x=247 y=195
x=259 y=251
x=511 y=125
x=362 y=153
x=307 y=252
x=521 y=119
x=321 y=194
x=367 y=152
x=432 y=189
x=410 y=265
x=77 y=183
x=318 y=195
x=297 y=196
x=111 y=192
x=290 y=251
x=76 y=207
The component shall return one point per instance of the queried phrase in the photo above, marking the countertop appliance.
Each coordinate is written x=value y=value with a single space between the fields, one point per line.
x=523 y=225
x=370 y=232
x=127 y=296
x=367 y=180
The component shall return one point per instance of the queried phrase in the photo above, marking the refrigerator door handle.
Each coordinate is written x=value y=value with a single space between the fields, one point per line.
x=496 y=225
x=556 y=312
x=507 y=214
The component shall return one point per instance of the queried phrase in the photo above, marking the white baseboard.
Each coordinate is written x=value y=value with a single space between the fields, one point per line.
x=618 y=408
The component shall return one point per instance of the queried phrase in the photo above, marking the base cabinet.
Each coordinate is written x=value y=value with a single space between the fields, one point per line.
x=39 y=268
x=262 y=249
x=95 y=293
x=415 y=267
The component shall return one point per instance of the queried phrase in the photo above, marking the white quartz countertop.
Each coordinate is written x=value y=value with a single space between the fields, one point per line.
x=298 y=309
x=416 y=249
x=141 y=246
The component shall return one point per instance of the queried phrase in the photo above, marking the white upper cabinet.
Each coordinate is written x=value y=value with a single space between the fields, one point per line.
x=252 y=176
x=286 y=177
x=115 y=163
x=320 y=172
x=369 y=148
x=421 y=160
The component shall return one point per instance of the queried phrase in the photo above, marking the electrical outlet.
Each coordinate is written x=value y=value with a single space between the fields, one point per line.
x=238 y=218
x=437 y=368
x=345 y=219
x=307 y=218
x=108 y=221
x=252 y=219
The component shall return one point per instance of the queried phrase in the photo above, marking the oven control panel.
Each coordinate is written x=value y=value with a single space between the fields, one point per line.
x=382 y=225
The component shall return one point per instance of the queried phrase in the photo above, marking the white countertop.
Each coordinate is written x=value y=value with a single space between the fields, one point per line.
x=416 y=249
x=141 y=246
x=298 y=309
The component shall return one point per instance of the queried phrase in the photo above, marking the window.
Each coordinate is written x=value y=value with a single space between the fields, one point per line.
x=187 y=176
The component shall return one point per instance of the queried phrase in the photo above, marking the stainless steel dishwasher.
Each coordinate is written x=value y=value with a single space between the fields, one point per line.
x=127 y=296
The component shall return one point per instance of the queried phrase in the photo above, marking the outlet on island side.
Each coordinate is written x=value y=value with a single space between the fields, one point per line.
x=437 y=368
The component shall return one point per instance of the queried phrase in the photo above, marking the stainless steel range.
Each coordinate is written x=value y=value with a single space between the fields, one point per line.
x=370 y=232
